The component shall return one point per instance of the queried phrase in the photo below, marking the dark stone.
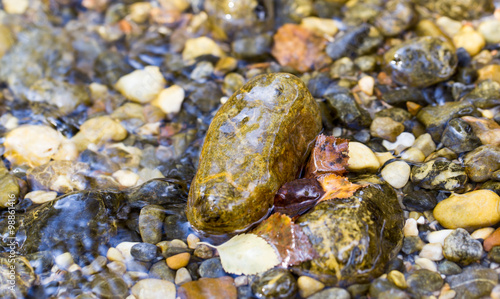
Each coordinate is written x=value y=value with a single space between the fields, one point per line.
x=420 y=200
x=459 y=136
x=421 y=62
x=494 y=254
x=169 y=192
x=481 y=163
x=449 y=268
x=144 y=252
x=395 y=18
x=461 y=248
x=347 y=44
x=379 y=286
x=151 y=223
x=343 y=105
x=357 y=290
x=275 y=283
x=491 y=185
x=24 y=276
x=399 y=97
x=464 y=9
x=485 y=96
x=252 y=47
x=439 y=174
x=396 y=114
x=160 y=270
x=473 y=283
x=211 y=268
x=412 y=244
x=176 y=226
x=334 y=226
x=109 y=286
x=423 y=282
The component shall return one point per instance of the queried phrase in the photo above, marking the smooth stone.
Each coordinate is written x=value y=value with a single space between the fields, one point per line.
x=379 y=286
x=435 y=118
x=336 y=293
x=489 y=72
x=109 y=286
x=412 y=244
x=396 y=17
x=459 y=247
x=225 y=65
x=403 y=141
x=487 y=130
x=348 y=44
x=117 y=268
x=151 y=222
x=397 y=278
x=396 y=173
x=486 y=95
x=366 y=63
x=182 y=276
x=126 y=178
x=413 y=155
x=410 y=228
x=432 y=251
x=424 y=282
x=492 y=240
x=473 y=283
x=15 y=6
x=139 y=12
x=366 y=84
x=384 y=157
x=449 y=268
x=62 y=95
x=33 y=145
x=178 y=261
x=64 y=261
x=495 y=292
x=160 y=270
x=482 y=162
x=361 y=158
x=10 y=188
x=124 y=248
x=489 y=30
x=141 y=86
x=459 y=136
x=222 y=287
x=144 y=252
x=203 y=251
x=469 y=39
x=449 y=26
x=211 y=268
x=201 y=46
x=151 y=288
x=439 y=236
x=96 y=266
x=482 y=233
x=439 y=174
x=342 y=103
x=494 y=254
x=59 y=176
x=386 y=128
x=464 y=9
x=324 y=26
x=98 y=130
x=115 y=255
x=420 y=200
x=342 y=68
x=445 y=153
x=37 y=197
x=421 y=61
x=308 y=286
x=471 y=210
x=275 y=283
x=425 y=263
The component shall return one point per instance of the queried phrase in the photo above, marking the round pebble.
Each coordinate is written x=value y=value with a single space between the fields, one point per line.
x=169 y=100
x=178 y=261
x=489 y=30
x=126 y=178
x=192 y=241
x=396 y=174
x=469 y=39
x=410 y=228
x=144 y=252
x=141 y=86
x=426 y=263
x=432 y=251
x=308 y=286
x=438 y=236
x=361 y=158
x=182 y=276
x=153 y=288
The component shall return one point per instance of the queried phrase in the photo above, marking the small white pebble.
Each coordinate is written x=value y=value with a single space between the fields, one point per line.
x=241 y=281
x=421 y=220
x=169 y=100
x=64 y=261
x=426 y=263
x=115 y=255
x=74 y=268
x=410 y=228
x=41 y=196
x=482 y=233
x=126 y=177
x=366 y=85
x=495 y=292
x=439 y=236
x=449 y=294
x=223 y=100
x=494 y=265
x=396 y=173
x=124 y=248
x=192 y=241
x=432 y=251
x=404 y=141
x=178 y=243
x=182 y=276
x=337 y=132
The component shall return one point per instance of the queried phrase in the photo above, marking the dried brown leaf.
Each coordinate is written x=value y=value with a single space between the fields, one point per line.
x=330 y=155
x=336 y=187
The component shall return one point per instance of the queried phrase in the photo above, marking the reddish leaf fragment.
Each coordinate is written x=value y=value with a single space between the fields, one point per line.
x=336 y=187
x=298 y=196
x=292 y=245
x=330 y=155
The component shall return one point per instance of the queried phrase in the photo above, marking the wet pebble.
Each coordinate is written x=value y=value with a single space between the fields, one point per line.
x=182 y=276
x=169 y=100
x=424 y=282
x=412 y=244
x=459 y=247
x=432 y=251
x=403 y=141
x=337 y=293
x=396 y=173
x=473 y=283
x=141 y=86
x=482 y=162
x=160 y=270
x=308 y=286
x=439 y=174
x=211 y=268
x=37 y=197
x=200 y=46
x=153 y=288
x=275 y=283
x=439 y=236
x=109 y=286
x=449 y=268
x=59 y=176
x=222 y=287
x=178 y=261
x=362 y=158
x=420 y=200
x=489 y=30
x=492 y=240
x=469 y=39
x=126 y=178
x=386 y=128
x=151 y=223
x=459 y=136
x=144 y=252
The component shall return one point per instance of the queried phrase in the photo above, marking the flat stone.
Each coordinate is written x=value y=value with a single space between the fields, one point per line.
x=178 y=261
x=144 y=252
x=211 y=268
x=424 y=282
x=151 y=222
x=482 y=162
x=151 y=288
x=308 y=286
x=432 y=251
x=182 y=276
x=473 y=283
x=492 y=240
x=59 y=176
x=169 y=100
x=336 y=293
x=449 y=268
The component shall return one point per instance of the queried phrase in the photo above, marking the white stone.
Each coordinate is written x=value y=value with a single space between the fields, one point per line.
x=32 y=145
x=64 y=261
x=192 y=241
x=169 y=100
x=432 y=251
x=384 y=157
x=410 y=228
x=449 y=294
x=439 y=236
x=241 y=281
x=413 y=155
x=421 y=220
x=67 y=151
x=124 y=248
x=9 y=121
x=482 y=233
x=15 y=6
x=403 y=141
x=495 y=292
x=41 y=196
x=151 y=288
x=196 y=47
x=178 y=243
x=74 y=267
x=126 y=178
x=182 y=276
x=327 y=27
x=366 y=85
x=147 y=174
x=425 y=144
x=449 y=26
x=361 y=158
x=426 y=263
x=490 y=30
x=396 y=173
x=141 y=86
x=115 y=255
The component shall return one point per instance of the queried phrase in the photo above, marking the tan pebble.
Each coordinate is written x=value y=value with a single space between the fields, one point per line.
x=308 y=286
x=491 y=71
x=386 y=128
x=241 y=281
x=139 y=11
x=178 y=243
x=415 y=215
x=469 y=39
x=413 y=155
x=432 y=251
x=126 y=177
x=487 y=130
x=74 y=267
x=366 y=85
x=449 y=294
x=178 y=261
x=384 y=157
x=489 y=29
x=425 y=144
x=482 y=233
x=192 y=241
x=115 y=255
x=439 y=236
x=361 y=158
x=324 y=26
x=397 y=278
x=470 y=210
x=64 y=261
x=495 y=292
x=201 y=46
x=449 y=26
x=410 y=228
x=15 y=6
x=124 y=248
x=154 y=288
x=117 y=267
x=404 y=141
x=426 y=263
x=396 y=173
x=41 y=196
x=169 y=100
x=182 y=276
x=141 y=86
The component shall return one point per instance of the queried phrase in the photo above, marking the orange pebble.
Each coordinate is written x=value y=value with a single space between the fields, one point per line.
x=178 y=261
x=492 y=240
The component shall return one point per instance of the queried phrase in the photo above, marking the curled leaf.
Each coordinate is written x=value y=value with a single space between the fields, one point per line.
x=291 y=243
x=297 y=196
x=246 y=254
x=336 y=187
x=330 y=155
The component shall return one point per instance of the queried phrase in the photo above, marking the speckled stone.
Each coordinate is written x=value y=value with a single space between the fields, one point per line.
x=439 y=174
x=459 y=247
